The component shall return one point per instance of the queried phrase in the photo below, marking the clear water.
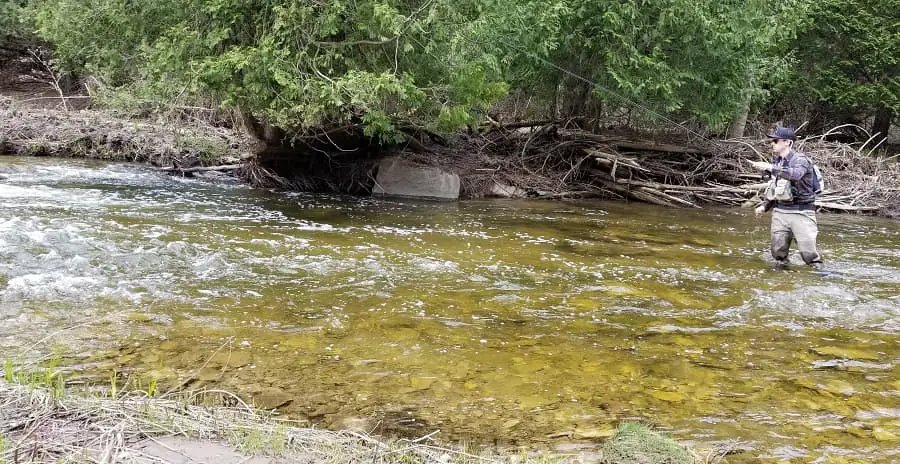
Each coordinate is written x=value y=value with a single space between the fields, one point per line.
x=520 y=323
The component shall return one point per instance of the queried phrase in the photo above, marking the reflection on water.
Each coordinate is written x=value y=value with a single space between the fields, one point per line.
x=515 y=322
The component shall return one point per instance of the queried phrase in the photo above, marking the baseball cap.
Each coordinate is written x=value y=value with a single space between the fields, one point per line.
x=784 y=133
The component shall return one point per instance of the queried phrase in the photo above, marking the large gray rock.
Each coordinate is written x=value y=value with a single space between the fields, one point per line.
x=397 y=177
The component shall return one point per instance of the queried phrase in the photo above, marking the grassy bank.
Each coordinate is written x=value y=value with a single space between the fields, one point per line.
x=41 y=420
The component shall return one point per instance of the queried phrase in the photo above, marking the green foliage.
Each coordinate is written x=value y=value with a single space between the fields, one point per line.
x=9 y=17
x=104 y=38
x=8 y=371
x=48 y=377
x=441 y=64
x=699 y=59
x=849 y=56
x=295 y=64
x=113 y=384
x=15 y=19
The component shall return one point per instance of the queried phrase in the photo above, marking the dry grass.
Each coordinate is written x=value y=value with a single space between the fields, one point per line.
x=37 y=425
x=42 y=424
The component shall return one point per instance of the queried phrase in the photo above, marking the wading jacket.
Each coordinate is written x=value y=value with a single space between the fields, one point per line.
x=798 y=169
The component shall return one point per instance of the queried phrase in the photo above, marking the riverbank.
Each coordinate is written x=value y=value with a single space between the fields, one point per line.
x=42 y=422
x=28 y=130
x=542 y=160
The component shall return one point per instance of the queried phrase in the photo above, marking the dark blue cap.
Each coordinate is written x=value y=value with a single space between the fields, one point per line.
x=783 y=133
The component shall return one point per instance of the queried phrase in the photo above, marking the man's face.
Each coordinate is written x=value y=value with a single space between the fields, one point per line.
x=780 y=146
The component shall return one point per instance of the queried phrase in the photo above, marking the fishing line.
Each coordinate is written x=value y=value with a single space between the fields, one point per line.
x=610 y=92
x=622 y=98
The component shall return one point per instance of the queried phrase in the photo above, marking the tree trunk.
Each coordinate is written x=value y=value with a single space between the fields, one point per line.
x=882 y=124
x=739 y=123
x=264 y=132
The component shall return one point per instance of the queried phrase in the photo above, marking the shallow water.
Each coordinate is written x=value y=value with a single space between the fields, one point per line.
x=536 y=324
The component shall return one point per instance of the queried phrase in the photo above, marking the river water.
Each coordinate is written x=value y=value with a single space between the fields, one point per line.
x=518 y=323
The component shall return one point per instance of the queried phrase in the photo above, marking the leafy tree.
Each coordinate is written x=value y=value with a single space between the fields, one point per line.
x=397 y=66
x=694 y=58
x=11 y=18
x=107 y=39
x=296 y=63
x=849 y=59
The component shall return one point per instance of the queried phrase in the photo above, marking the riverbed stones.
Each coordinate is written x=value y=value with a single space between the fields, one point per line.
x=837 y=387
x=884 y=434
x=421 y=383
x=231 y=358
x=401 y=178
x=667 y=396
x=208 y=374
x=271 y=398
x=846 y=353
x=594 y=433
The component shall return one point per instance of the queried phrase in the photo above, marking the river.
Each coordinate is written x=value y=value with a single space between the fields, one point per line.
x=519 y=323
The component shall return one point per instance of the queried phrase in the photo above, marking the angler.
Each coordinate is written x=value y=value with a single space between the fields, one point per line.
x=792 y=193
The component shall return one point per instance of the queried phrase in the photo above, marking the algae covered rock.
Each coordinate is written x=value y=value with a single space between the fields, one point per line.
x=638 y=444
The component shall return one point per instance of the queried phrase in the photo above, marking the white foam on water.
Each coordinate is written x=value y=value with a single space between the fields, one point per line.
x=51 y=286
x=834 y=305
x=434 y=264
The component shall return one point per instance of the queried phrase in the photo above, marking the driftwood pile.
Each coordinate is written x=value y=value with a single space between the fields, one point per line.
x=549 y=160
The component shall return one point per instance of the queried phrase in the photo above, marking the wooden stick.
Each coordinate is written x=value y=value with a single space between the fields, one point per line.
x=668 y=197
x=842 y=207
x=226 y=167
x=687 y=188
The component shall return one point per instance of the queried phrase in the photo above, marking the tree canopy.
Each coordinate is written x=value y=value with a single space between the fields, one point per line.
x=441 y=65
x=849 y=59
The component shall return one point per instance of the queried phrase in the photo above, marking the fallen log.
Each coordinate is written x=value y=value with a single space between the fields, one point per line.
x=642 y=194
x=722 y=199
x=565 y=195
x=631 y=144
x=687 y=188
x=657 y=147
x=650 y=197
x=668 y=197
x=843 y=207
x=222 y=168
x=610 y=159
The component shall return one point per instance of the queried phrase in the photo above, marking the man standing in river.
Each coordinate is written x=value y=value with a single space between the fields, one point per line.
x=792 y=194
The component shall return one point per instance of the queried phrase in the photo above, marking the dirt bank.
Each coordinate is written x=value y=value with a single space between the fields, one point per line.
x=41 y=131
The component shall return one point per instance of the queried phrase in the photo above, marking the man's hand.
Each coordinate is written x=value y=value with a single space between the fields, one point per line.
x=760 y=165
x=760 y=210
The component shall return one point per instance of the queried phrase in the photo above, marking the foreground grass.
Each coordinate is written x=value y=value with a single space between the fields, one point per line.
x=42 y=422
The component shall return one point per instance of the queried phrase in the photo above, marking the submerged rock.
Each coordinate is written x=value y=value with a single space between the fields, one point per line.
x=671 y=397
x=272 y=398
x=845 y=353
